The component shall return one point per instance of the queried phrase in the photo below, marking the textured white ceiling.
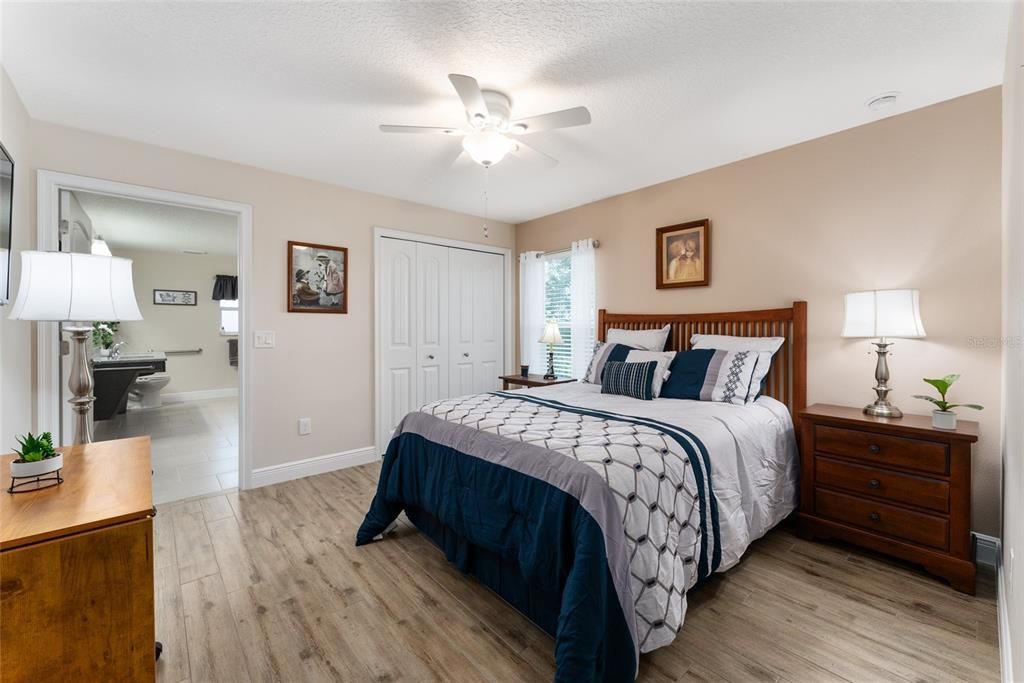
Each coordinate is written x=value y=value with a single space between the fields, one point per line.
x=133 y=224
x=673 y=87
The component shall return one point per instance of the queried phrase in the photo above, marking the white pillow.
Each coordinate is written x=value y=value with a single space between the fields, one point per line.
x=765 y=346
x=649 y=340
x=663 y=358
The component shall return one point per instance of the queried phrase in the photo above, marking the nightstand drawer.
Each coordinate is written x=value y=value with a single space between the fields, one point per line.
x=882 y=518
x=902 y=488
x=895 y=451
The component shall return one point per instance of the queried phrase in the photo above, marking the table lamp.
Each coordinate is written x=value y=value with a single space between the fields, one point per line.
x=883 y=314
x=65 y=287
x=551 y=337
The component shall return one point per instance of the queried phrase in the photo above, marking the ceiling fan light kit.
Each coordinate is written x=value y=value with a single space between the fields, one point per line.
x=487 y=139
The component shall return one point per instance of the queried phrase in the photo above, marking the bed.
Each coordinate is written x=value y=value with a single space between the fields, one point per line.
x=593 y=514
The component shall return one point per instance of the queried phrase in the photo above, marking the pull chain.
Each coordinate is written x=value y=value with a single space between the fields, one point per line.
x=487 y=177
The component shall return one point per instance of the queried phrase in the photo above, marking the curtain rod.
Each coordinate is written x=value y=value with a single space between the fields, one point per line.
x=597 y=244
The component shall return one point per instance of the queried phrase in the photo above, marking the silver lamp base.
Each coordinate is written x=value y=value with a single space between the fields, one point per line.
x=881 y=406
x=80 y=384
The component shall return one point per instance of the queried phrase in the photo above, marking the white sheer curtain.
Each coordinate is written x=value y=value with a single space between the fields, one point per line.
x=583 y=292
x=531 y=311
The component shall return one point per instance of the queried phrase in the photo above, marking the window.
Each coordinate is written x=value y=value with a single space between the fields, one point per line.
x=229 y=317
x=558 y=307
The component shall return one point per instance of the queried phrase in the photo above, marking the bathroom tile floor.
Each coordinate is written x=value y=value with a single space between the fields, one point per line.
x=195 y=445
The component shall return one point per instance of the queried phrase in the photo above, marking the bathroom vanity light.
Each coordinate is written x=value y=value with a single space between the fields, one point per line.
x=76 y=288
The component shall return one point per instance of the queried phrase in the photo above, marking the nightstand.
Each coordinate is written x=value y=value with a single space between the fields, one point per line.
x=897 y=486
x=532 y=381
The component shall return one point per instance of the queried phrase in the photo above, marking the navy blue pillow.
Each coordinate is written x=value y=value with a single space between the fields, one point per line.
x=686 y=374
x=629 y=379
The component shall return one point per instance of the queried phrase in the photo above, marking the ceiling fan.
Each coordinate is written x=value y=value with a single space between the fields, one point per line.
x=491 y=132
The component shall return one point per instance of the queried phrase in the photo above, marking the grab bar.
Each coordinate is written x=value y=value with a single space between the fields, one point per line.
x=184 y=352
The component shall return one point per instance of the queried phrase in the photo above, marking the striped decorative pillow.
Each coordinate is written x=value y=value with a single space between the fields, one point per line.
x=604 y=352
x=629 y=379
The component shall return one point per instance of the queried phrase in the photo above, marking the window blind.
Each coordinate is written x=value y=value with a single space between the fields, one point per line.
x=558 y=307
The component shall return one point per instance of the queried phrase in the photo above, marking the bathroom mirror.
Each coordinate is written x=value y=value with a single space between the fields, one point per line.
x=6 y=215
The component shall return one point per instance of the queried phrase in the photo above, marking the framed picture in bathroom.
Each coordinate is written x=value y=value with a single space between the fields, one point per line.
x=174 y=297
x=317 y=278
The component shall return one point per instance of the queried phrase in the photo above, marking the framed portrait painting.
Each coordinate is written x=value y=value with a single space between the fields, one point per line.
x=684 y=255
x=317 y=278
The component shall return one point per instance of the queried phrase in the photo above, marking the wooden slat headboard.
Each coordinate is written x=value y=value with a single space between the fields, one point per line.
x=787 y=380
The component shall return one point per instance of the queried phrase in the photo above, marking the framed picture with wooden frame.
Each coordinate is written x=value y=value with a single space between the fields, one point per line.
x=684 y=255
x=317 y=278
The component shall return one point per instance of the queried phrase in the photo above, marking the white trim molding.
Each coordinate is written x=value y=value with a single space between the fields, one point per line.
x=380 y=233
x=297 y=469
x=48 y=379
x=1005 y=641
x=986 y=550
x=198 y=395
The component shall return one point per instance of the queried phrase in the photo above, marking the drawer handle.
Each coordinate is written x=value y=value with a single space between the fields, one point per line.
x=430 y=356
x=874 y=516
x=874 y=448
x=874 y=483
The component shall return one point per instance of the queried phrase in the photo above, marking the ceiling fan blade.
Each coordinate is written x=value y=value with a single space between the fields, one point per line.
x=577 y=116
x=422 y=129
x=472 y=98
x=532 y=154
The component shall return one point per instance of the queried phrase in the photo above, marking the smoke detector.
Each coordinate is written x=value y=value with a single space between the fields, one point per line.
x=884 y=101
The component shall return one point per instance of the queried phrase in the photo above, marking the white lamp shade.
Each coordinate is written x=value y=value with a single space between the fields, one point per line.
x=551 y=334
x=883 y=313
x=59 y=286
x=488 y=147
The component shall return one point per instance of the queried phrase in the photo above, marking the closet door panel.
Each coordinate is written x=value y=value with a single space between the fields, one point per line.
x=489 y=323
x=398 y=321
x=462 y=317
x=432 y=328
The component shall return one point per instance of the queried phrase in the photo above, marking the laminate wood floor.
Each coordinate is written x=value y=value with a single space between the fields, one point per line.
x=267 y=585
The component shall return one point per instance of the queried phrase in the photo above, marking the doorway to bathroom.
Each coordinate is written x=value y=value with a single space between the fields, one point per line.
x=177 y=375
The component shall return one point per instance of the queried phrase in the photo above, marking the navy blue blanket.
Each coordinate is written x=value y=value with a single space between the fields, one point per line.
x=545 y=531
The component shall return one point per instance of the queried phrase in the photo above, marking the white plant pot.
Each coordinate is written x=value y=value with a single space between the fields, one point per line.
x=38 y=468
x=943 y=419
x=103 y=353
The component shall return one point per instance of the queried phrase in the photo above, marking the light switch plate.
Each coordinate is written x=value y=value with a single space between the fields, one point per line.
x=305 y=426
x=263 y=339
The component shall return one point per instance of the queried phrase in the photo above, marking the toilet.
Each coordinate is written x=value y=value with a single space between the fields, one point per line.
x=146 y=389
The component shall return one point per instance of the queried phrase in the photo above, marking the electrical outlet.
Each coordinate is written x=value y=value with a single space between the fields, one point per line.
x=263 y=339
x=305 y=426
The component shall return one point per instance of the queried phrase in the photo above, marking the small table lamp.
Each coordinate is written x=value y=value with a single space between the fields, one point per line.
x=65 y=287
x=551 y=337
x=883 y=313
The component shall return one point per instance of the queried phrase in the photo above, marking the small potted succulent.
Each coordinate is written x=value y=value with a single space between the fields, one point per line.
x=943 y=416
x=36 y=456
x=103 y=336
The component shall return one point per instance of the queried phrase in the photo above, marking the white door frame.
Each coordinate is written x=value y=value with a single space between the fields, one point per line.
x=380 y=233
x=48 y=380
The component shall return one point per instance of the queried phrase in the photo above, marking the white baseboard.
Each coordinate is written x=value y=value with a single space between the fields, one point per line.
x=183 y=396
x=986 y=550
x=1005 y=642
x=275 y=474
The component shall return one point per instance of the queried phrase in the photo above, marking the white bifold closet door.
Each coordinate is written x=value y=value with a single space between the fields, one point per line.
x=441 y=324
x=477 y=321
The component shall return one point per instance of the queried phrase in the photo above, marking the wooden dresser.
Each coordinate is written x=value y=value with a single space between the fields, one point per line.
x=76 y=569
x=897 y=486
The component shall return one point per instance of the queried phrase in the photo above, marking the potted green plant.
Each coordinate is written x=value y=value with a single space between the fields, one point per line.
x=36 y=456
x=943 y=416
x=103 y=336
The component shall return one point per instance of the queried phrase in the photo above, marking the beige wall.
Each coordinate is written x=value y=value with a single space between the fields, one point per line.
x=910 y=201
x=17 y=404
x=166 y=328
x=1013 y=346
x=322 y=366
